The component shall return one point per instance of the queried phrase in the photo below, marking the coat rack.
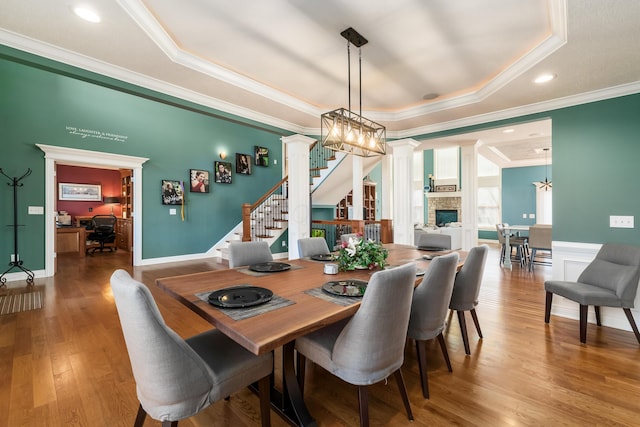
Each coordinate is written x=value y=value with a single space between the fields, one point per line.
x=16 y=262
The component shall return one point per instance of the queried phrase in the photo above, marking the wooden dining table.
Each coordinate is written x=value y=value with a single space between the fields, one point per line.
x=301 y=308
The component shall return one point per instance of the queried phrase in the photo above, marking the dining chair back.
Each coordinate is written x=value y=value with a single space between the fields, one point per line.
x=310 y=246
x=520 y=244
x=539 y=239
x=247 y=253
x=177 y=378
x=610 y=280
x=369 y=346
x=466 y=289
x=344 y=238
x=429 y=310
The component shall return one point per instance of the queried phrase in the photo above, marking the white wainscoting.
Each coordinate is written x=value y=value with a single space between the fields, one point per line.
x=569 y=260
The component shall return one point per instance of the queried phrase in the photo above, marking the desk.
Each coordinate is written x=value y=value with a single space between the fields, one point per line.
x=280 y=327
x=507 y=231
x=70 y=239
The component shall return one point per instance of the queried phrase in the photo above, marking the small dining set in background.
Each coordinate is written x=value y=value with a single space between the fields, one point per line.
x=526 y=244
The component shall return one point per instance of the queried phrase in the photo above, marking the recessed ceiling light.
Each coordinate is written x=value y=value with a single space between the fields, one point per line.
x=544 y=78
x=87 y=14
x=430 y=96
x=508 y=131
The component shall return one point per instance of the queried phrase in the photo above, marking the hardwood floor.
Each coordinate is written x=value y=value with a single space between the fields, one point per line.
x=67 y=365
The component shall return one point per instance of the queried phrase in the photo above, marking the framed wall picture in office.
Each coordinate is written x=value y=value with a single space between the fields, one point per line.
x=79 y=192
x=262 y=156
x=243 y=164
x=223 y=172
x=199 y=181
x=172 y=192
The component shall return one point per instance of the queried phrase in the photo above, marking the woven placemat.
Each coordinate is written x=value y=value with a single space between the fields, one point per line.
x=336 y=299
x=275 y=303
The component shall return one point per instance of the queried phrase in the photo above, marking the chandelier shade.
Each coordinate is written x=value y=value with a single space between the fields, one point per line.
x=347 y=131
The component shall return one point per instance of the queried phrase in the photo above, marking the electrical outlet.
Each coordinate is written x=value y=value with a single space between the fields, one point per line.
x=284 y=244
x=619 y=221
x=532 y=216
x=90 y=209
x=13 y=257
x=172 y=211
x=524 y=215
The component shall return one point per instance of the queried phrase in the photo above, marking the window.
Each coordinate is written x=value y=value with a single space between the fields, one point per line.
x=488 y=193
x=446 y=165
x=543 y=205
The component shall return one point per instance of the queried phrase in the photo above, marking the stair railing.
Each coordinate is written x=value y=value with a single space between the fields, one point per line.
x=266 y=214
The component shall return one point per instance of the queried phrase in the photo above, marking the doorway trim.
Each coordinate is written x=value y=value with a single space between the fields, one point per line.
x=78 y=157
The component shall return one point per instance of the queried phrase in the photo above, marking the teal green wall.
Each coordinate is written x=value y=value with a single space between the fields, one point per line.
x=41 y=98
x=596 y=147
x=519 y=193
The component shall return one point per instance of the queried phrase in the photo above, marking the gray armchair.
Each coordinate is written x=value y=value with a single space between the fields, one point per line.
x=176 y=379
x=312 y=246
x=610 y=280
x=466 y=289
x=368 y=347
x=429 y=311
x=247 y=253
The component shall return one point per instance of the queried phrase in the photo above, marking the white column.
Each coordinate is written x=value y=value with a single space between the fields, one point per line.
x=358 y=194
x=386 y=193
x=299 y=221
x=402 y=184
x=469 y=190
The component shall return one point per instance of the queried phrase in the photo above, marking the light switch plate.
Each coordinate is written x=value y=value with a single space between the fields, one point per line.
x=172 y=211
x=620 y=221
x=36 y=210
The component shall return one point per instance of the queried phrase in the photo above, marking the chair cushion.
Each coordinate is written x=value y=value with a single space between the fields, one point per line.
x=583 y=293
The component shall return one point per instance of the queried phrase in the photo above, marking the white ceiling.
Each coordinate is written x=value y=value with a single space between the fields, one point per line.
x=283 y=62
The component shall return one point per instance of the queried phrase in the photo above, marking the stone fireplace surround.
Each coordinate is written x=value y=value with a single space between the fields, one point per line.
x=452 y=203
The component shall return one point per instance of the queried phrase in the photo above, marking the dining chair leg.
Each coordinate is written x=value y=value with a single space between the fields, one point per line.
x=632 y=322
x=363 y=402
x=547 y=306
x=474 y=316
x=169 y=424
x=463 y=331
x=598 y=319
x=583 y=323
x=403 y=393
x=421 y=349
x=445 y=353
x=532 y=257
x=264 y=390
x=142 y=414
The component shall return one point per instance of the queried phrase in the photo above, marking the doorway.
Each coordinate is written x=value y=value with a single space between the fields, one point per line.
x=86 y=158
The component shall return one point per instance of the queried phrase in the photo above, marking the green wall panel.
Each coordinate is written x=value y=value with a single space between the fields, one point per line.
x=519 y=193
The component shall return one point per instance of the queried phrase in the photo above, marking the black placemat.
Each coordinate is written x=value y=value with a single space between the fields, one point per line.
x=245 y=313
x=343 y=301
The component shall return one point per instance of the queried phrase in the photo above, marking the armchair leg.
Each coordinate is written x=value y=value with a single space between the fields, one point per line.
x=597 y=309
x=463 y=331
x=403 y=393
x=422 y=365
x=445 y=353
x=583 y=323
x=169 y=424
x=547 y=307
x=633 y=323
x=363 y=402
x=142 y=414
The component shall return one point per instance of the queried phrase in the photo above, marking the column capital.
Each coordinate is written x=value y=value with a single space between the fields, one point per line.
x=297 y=139
x=401 y=143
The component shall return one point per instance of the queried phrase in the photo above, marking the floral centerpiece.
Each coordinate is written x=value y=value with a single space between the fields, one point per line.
x=360 y=253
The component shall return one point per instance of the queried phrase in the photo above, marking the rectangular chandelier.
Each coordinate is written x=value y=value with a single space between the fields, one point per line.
x=343 y=130
x=346 y=131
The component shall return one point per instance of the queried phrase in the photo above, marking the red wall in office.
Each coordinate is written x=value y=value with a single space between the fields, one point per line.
x=108 y=179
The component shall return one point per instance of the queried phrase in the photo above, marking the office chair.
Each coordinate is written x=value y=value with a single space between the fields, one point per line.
x=104 y=232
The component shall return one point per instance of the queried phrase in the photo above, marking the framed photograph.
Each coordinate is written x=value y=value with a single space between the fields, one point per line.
x=243 y=164
x=223 y=172
x=79 y=192
x=445 y=188
x=262 y=156
x=199 y=180
x=172 y=192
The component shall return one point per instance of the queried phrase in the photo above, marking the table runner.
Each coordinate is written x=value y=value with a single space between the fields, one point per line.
x=275 y=303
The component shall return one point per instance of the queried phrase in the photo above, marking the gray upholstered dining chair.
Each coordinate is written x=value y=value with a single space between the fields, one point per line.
x=177 y=378
x=466 y=289
x=312 y=246
x=520 y=244
x=247 y=253
x=539 y=239
x=610 y=280
x=368 y=347
x=429 y=311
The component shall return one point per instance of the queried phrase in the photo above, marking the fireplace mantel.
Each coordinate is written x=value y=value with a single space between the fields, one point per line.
x=444 y=194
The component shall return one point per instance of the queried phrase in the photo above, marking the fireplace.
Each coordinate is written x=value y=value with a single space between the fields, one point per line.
x=445 y=216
